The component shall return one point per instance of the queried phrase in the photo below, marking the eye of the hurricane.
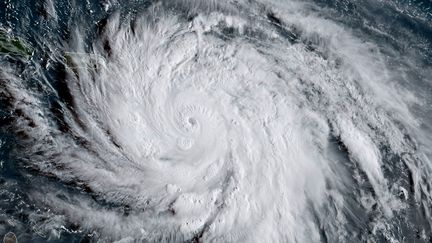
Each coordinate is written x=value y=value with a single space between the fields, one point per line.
x=186 y=129
x=190 y=129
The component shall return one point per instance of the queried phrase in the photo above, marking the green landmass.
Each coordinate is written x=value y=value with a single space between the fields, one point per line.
x=14 y=45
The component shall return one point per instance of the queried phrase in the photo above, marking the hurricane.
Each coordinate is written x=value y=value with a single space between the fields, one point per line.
x=216 y=121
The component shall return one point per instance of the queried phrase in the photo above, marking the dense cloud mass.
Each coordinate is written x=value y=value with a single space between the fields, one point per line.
x=216 y=121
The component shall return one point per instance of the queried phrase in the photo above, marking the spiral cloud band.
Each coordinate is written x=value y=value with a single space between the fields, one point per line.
x=219 y=121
